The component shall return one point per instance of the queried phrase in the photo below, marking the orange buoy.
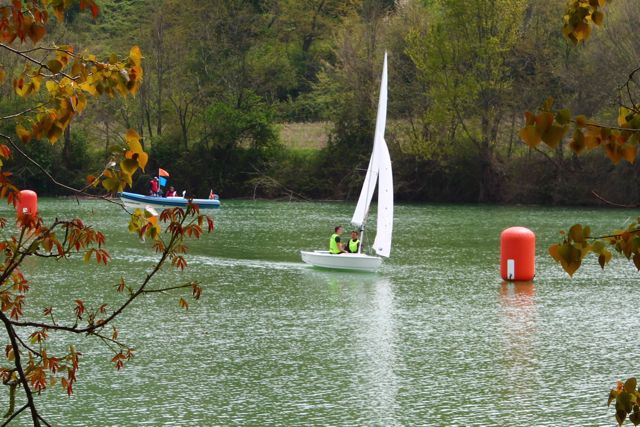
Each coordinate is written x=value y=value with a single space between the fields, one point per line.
x=27 y=203
x=517 y=254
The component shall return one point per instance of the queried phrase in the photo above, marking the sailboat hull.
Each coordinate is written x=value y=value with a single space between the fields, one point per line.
x=324 y=259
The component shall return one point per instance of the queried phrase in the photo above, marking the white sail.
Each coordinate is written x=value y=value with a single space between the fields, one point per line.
x=370 y=180
x=368 y=187
x=382 y=243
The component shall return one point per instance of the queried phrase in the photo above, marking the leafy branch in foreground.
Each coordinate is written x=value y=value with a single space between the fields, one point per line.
x=627 y=398
x=59 y=82
x=32 y=366
x=579 y=16
x=618 y=143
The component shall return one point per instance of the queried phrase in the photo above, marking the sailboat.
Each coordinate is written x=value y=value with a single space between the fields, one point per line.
x=378 y=174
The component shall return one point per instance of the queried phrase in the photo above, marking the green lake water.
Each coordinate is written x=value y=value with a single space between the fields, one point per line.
x=434 y=338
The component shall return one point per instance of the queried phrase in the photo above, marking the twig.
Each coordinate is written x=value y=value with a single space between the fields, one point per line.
x=56 y=182
x=172 y=288
x=610 y=203
x=15 y=414
x=35 y=61
x=13 y=116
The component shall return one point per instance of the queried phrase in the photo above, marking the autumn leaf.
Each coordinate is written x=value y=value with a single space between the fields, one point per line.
x=23 y=134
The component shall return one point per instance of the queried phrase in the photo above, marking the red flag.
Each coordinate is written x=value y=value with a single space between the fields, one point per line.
x=162 y=172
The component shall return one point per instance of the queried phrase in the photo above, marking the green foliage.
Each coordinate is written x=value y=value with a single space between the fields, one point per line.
x=247 y=125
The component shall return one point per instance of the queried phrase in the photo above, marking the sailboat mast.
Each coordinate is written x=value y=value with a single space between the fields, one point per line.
x=371 y=179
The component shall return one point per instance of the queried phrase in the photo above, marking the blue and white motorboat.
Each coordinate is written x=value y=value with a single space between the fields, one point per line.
x=134 y=201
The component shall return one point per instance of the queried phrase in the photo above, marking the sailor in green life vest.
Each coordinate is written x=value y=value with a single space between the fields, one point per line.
x=335 y=247
x=354 y=244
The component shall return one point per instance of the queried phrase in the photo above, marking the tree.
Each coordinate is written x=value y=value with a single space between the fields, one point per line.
x=463 y=59
x=58 y=83
x=347 y=94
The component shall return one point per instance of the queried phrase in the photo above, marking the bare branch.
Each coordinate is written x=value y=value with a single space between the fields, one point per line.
x=56 y=182
x=35 y=61
x=13 y=116
x=172 y=288
x=15 y=414
x=610 y=203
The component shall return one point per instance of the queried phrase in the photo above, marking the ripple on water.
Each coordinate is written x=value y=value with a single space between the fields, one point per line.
x=434 y=338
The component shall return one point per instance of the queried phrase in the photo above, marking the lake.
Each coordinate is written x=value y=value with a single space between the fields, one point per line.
x=434 y=338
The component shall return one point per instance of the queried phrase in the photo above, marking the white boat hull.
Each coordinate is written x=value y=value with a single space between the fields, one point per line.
x=135 y=201
x=324 y=259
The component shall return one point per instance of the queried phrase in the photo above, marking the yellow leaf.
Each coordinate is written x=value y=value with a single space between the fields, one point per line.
x=89 y=88
x=623 y=113
x=2 y=73
x=52 y=87
x=529 y=118
x=24 y=134
x=597 y=17
x=142 y=159
x=604 y=258
x=629 y=152
x=133 y=139
x=544 y=121
x=54 y=66
x=530 y=136
x=578 y=143
x=576 y=233
x=582 y=31
x=111 y=184
x=593 y=137
x=21 y=87
x=612 y=151
x=128 y=166
x=54 y=134
x=36 y=32
x=135 y=55
x=554 y=135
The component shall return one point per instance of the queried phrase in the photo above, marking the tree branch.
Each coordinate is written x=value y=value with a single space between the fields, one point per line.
x=35 y=61
x=172 y=288
x=15 y=414
x=13 y=116
x=610 y=203
x=91 y=328
x=55 y=181
x=11 y=332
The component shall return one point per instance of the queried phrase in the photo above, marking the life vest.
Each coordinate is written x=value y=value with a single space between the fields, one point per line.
x=353 y=245
x=333 y=245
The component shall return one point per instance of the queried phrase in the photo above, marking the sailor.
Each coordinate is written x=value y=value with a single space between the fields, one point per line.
x=354 y=243
x=335 y=247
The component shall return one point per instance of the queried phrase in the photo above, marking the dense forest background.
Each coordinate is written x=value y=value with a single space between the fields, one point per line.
x=277 y=98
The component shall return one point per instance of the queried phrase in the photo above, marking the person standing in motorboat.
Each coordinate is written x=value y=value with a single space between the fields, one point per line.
x=154 y=185
x=353 y=246
x=335 y=246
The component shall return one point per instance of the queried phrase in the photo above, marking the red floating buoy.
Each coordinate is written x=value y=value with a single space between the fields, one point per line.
x=517 y=254
x=27 y=203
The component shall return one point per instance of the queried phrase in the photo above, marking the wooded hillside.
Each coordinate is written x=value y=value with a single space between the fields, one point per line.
x=277 y=98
